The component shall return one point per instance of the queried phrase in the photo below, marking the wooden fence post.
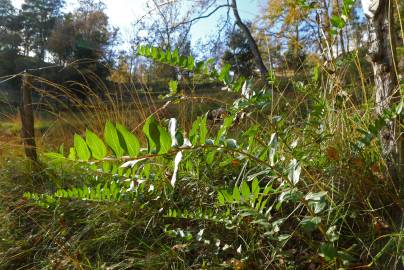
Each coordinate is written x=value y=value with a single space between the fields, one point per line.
x=27 y=118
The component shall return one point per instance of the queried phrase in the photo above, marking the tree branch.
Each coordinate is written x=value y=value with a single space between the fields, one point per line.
x=251 y=41
x=202 y=16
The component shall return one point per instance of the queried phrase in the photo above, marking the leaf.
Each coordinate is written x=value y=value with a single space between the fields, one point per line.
x=332 y=234
x=159 y=140
x=328 y=252
x=227 y=122
x=81 y=148
x=284 y=237
x=172 y=127
x=72 y=154
x=175 y=59
x=190 y=62
x=203 y=130
x=220 y=198
x=245 y=191
x=173 y=85
x=230 y=143
x=399 y=107
x=315 y=73
x=183 y=61
x=317 y=206
x=151 y=131
x=199 y=66
x=162 y=55
x=315 y=196
x=255 y=189
x=309 y=224
x=246 y=90
x=273 y=143
x=97 y=146
x=112 y=139
x=294 y=172
x=316 y=201
x=177 y=161
x=131 y=142
x=293 y=195
x=180 y=140
x=168 y=56
x=193 y=133
x=210 y=157
x=131 y=163
x=228 y=197
x=165 y=140
x=155 y=53
x=224 y=74
x=236 y=194
x=337 y=22
x=53 y=155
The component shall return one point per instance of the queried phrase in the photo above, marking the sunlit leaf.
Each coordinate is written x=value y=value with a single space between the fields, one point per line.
x=97 y=146
x=294 y=171
x=112 y=139
x=53 y=155
x=177 y=161
x=172 y=129
x=81 y=148
x=337 y=22
x=203 y=130
x=332 y=234
x=315 y=196
x=131 y=142
x=173 y=85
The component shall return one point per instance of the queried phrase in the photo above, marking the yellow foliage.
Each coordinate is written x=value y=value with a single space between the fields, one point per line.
x=121 y=75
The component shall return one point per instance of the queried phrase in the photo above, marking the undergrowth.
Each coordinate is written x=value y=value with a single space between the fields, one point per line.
x=275 y=183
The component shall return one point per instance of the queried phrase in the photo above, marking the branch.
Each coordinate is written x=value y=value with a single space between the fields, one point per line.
x=252 y=43
x=202 y=16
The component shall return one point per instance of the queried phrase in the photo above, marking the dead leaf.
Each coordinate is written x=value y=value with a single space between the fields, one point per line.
x=179 y=247
x=332 y=153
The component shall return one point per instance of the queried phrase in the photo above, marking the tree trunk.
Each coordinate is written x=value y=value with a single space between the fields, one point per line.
x=382 y=54
x=253 y=45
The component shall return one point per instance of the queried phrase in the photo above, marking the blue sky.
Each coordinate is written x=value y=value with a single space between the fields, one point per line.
x=122 y=13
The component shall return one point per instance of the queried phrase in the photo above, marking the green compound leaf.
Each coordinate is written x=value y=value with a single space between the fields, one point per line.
x=81 y=148
x=112 y=139
x=131 y=142
x=159 y=139
x=97 y=146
